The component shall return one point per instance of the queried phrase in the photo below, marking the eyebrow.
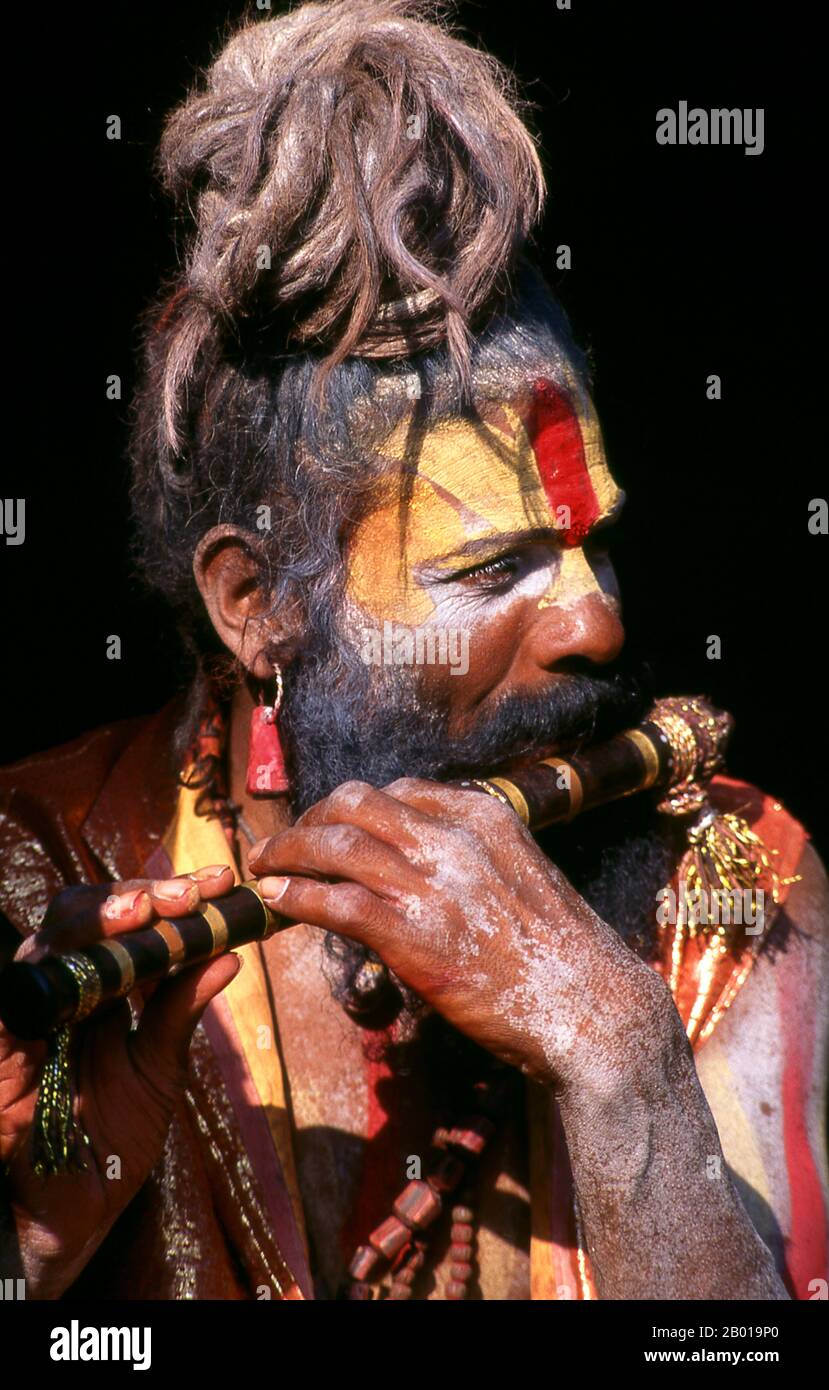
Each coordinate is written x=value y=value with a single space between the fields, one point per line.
x=507 y=540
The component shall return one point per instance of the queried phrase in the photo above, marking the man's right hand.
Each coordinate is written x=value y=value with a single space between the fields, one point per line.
x=127 y=1083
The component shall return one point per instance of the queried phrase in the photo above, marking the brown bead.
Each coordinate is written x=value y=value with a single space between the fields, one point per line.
x=454 y=1289
x=418 y=1205
x=399 y=1292
x=407 y=1275
x=390 y=1237
x=461 y=1234
x=364 y=1262
x=460 y=1272
x=462 y=1213
x=472 y=1134
x=447 y=1173
x=461 y=1252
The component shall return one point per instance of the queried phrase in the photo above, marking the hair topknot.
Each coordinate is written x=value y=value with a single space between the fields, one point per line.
x=361 y=184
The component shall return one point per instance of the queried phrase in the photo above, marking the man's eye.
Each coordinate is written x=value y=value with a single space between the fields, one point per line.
x=493 y=574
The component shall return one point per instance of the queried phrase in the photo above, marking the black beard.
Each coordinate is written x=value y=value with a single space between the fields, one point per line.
x=344 y=720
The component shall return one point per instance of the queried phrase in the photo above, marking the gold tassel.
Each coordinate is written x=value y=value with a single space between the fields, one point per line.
x=57 y=1137
x=724 y=857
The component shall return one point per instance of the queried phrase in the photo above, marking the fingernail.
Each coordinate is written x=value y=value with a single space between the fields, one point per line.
x=200 y=875
x=118 y=904
x=256 y=850
x=173 y=890
x=272 y=889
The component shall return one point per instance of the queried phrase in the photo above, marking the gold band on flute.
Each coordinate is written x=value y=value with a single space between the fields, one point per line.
x=514 y=795
x=649 y=756
x=173 y=940
x=87 y=981
x=572 y=784
x=124 y=961
x=217 y=923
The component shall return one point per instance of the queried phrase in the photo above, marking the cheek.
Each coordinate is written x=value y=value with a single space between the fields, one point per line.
x=491 y=641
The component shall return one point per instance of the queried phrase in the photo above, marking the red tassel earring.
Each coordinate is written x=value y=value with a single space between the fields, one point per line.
x=267 y=775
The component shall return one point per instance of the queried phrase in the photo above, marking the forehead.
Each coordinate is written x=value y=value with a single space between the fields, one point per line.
x=515 y=466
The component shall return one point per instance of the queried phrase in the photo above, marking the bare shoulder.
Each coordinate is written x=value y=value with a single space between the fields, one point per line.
x=807 y=906
x=764 y=1071
x=792 y=970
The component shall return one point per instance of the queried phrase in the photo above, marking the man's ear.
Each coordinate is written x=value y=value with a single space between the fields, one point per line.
x=228 y=572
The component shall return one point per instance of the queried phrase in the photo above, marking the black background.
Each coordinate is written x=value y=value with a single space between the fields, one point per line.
x=687 y=261
x=214 y=1344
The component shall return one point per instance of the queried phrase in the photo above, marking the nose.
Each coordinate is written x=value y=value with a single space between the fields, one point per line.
x=577 y=619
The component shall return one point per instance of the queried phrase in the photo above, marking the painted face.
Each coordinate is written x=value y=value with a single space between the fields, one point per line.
x=497 y=534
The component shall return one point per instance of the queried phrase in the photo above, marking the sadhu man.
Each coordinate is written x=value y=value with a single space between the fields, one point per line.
x=475 y=1066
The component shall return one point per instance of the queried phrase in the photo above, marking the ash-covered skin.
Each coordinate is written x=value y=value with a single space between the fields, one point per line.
x=573 y=1006
x=551 y=989
x=347 y=721
x=365 y=729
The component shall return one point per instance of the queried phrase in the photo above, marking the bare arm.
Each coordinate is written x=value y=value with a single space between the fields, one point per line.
x=670 y=1213
x=764 y=1073
x=661 y=1215
x=458 y=900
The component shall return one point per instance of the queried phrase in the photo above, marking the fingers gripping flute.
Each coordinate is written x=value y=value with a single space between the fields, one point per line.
x=677 y=749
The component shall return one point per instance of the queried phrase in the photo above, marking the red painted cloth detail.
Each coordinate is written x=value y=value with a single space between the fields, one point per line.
x=382 y=1175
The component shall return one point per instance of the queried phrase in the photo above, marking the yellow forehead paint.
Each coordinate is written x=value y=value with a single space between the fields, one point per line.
x=475 y=479
x=575 y=579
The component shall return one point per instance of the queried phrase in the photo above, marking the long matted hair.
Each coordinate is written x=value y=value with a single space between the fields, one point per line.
x=358 y=186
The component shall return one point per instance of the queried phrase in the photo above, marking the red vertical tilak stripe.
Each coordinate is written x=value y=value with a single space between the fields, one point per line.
x=557 y=443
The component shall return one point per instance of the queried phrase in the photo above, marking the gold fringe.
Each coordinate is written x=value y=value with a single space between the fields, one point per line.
x=57 y=1137
x=724 y=856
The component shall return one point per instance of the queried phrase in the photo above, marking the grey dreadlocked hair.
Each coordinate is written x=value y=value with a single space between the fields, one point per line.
x=360 y=187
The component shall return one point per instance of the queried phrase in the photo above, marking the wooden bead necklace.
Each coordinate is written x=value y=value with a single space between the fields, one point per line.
x=400 y=1243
